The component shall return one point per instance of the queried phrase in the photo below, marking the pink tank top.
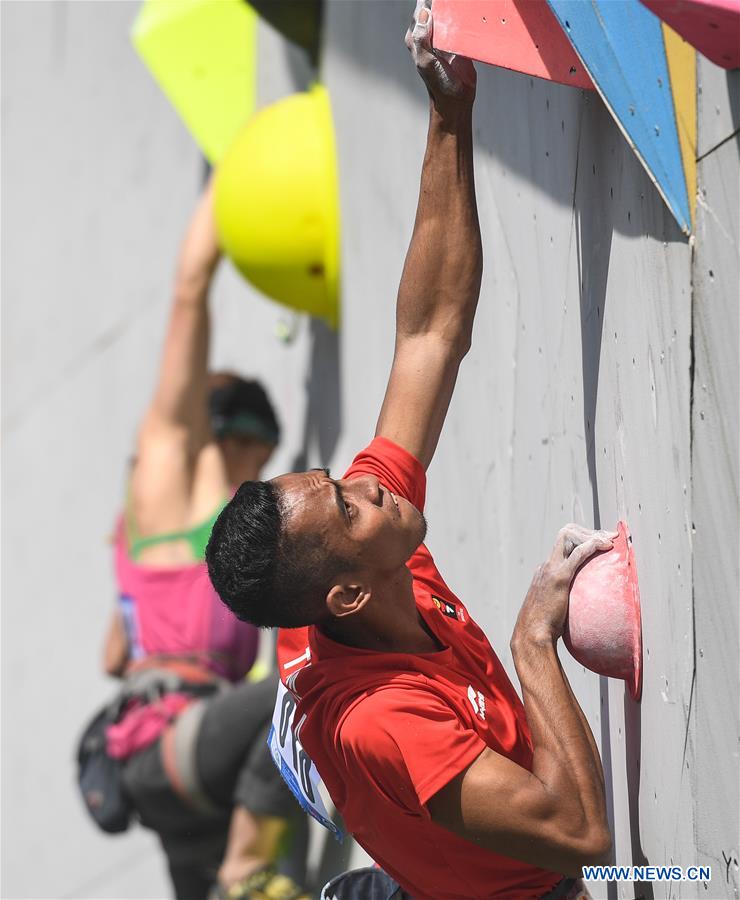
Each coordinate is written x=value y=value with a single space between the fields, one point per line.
x=176 y=612
x=173 y=612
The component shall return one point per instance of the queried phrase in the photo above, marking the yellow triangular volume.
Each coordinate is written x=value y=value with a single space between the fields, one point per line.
x=681 y=59
x=202 y=53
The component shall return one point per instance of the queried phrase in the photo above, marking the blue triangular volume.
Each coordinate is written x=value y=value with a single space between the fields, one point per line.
x=620 y=43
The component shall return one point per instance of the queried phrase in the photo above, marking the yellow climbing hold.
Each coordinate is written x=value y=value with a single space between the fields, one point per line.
x=202 y=54
x=277 y=204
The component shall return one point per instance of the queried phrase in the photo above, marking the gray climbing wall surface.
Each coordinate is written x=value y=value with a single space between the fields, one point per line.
x=715 y=453
x=602 y=384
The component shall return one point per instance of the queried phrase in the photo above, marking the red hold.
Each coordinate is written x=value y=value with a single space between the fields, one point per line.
x=603 y=630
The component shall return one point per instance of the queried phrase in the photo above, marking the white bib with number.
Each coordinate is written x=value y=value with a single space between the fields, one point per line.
x=295 y=765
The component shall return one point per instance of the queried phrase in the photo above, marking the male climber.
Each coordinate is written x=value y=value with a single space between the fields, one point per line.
x=193 y=743
x=456 y=788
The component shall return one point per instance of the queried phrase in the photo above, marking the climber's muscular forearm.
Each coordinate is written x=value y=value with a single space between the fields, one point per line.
x=586 y=726
x=565 y=759
x=439 y=290
x=441 y=278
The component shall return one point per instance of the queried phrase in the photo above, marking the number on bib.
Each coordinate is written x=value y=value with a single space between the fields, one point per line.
x=295 y=765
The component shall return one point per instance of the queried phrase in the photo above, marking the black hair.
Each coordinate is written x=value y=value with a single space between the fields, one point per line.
x=242 y=407
x=264 y=575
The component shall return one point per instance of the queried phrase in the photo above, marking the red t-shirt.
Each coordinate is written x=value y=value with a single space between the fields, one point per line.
x=388 y=730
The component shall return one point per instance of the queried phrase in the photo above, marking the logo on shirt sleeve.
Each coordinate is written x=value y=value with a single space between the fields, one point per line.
x=448 y=609
x=477 y=701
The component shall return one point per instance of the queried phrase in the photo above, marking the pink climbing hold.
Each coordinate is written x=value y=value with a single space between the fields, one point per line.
x=711 y=26
x=522 y=35
x=603 y=630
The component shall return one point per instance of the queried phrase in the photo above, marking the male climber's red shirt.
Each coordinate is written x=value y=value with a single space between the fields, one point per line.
x=388 y=730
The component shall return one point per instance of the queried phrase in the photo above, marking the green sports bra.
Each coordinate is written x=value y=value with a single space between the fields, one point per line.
x=197 y=536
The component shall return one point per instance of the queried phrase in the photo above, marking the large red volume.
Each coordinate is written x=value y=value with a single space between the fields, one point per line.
x=712 y=26
x=522 y=35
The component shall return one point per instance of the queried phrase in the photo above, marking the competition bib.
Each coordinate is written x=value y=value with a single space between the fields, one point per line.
x=295 y=765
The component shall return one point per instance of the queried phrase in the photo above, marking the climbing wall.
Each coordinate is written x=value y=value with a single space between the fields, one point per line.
x=602 y=384
x=575 y=403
